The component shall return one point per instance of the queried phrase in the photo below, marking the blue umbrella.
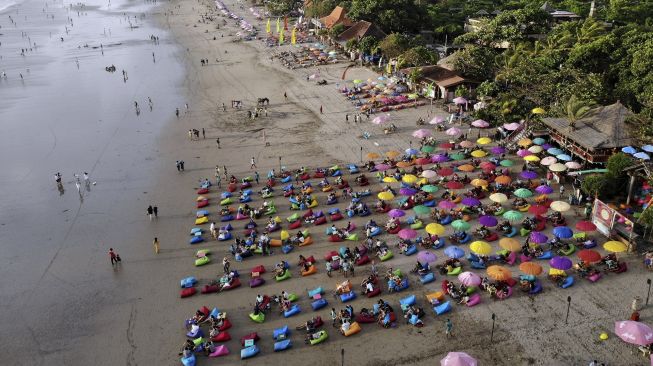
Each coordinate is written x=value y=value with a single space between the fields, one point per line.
x=555 y=151
x=454 y=252
x=538 y=141
x=642 y=155
x=412 y=152
x=648 y=148
x=563 y=232
x=629 y=150
x=563 y=157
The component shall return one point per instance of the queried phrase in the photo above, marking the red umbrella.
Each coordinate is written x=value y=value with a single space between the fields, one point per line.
x=486 y=165
x=538 y=209
x=423 y=161
x=454 y=185
x=589 y=256
x=585 y=226
x=445 y=172
x=446 y=145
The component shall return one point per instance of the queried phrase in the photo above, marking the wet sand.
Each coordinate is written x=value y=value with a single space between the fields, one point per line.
x=76 y=309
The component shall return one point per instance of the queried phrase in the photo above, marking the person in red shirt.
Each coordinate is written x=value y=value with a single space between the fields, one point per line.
x=113 y=256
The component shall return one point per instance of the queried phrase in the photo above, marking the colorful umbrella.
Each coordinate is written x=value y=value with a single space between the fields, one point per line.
x=586 y=226
x=528 y=174
x=522 y=193
x=513 y=215
x=389 y=180
x=372 y=156
x=479 y=182
x=381 y=119
x=538 y=209
x=429 y=174
x=498 y=197
x=641 y=155
x=407 y=234
x=445 y=172
x=392 y=154
x=460 y=225
x=537 y=237
x=454 y=185
x=421 y=210
x=385 y=196
x=404 y=164
x=510 y=244
x=439 y=158
x=427 y=149
x=457 y=156
x=647 y=148
x=446 y=145
x=484 y=141
x=478 y=153
x=466 y=144
x=454 y=252
x=382 y=167
x=480 y=124
x=498 y=273
x=488 y=220
x=422 y=161
x=634 y=332
x=535 y=149
x=563 y=157
x=530 y=268
x=524 y=153
x=544 y=189
x=554 y=151
x=409 y=178
x=525 y=142
x=453 y=131
x=469 y=278
x=629 y=150
x=481 y=248
x=411 y=151
x=447 y=205
x=466 y=168
x=498 y=150
x=470 y=201
x=407 y=191
x=532 y=158
x=506 y=163
x=511 y=126
x=436 y=120
x=395 y=213
x=560 y=206
x=486 y=165
x=563 y=232
x=429 y=188
x=572 y=165
x=615 y=246
x=549 y=160
x=561 y=263
x=589 y=256
x=538 y=141
x=426 y=257
x=434 y=229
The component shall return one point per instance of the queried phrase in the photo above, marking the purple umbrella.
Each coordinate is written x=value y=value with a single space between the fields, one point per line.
x=544 y=189
x=447 y=205
x=498 y=150
x=488 y=220
x=382 y=167
x=407 y=234
x=407 y=191
x=394 y=213
x=469 y=279
x=538 y=237
x=439 y=158
x=426 y=257
x=547 y=146
x=528 y=174
x=562 y=263
x=470 y=201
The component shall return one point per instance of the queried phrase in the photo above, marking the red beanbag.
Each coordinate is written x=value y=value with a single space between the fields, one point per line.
x=202 y=203
x=209 y=289
x=295 y=225
x=226 y=324
x=375 y=292
x=203 y=191
x=187 y=292
x=221 y=337
x=336 y=216
x=329 y=255
x=321 y=220
x=253 y=336
x=334 y=238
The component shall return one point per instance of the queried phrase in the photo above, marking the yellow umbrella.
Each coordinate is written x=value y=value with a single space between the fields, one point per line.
x=498 y=197
x=479 y=182
x=478 y=153
x=525 y=142
x=390 y=180
x=422 y=181
x=532 y=158
x=484 y=141
x=530 y=268
x=466 y=168
x=392 y=154
x=481 y=247
x=409 y=178
x=372 y=156
x=386 y=196
x=560 y=206
x=557 y=167
x=499 y=273
x=615 y=246
x=510 y=244
x=538 y=110
x=435 y=229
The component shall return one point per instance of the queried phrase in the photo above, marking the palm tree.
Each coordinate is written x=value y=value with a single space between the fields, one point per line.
x=576 y=109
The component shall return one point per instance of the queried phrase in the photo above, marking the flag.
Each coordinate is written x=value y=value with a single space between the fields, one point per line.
x=278 y=25
x=285 y=23
x=293 y=36
x=267 y=27
x=281 y=38
x=388 y=69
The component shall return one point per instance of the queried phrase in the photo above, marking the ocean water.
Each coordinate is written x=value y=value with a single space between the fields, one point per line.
x=6 y=4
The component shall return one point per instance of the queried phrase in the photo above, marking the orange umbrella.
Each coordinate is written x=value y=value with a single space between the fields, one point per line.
x=372 y=156
x=510 y=244
x=392 y=154
x=530 y=268
x=466 y=168
x=503 y=179
x=479 y=182
x=404 y=164
x=499 y=273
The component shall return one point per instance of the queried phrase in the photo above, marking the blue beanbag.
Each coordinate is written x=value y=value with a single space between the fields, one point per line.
x=245 y=199
x=375 y=231
x=568 y=282
x=215 y=312
x=438 y=244
x=333 y=211
x=319 y=304
x=430 y=203
x=348 y=296
x=427 y=278
x=188 y=282
x=195 y=230
x=201 y=213
x=196 y=239
x=227 y=218
x=282 y=345
x=465 y=239
x=295 y=309
x=512 y=233
x=281 y=333
x=286 y=179
x=287 y=249
x=248 y=352
x=446 y=221
x=411 y=250
x=478 y=265
x=546 y=255
x=189 y=361
x=442 y=308
x=227 y=236
x=315 y=291
x=407 y=301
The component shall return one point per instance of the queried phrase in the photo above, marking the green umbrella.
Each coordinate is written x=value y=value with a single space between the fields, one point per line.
x=428 y=149
x=457 y=156
x=506 y=163
x=461 y=225
x=523 y=193
x=421 y=210
x=430 y=188
x=513 y=215
x=357 y=81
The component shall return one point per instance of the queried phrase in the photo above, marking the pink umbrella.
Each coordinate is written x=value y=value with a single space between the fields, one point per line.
x=453 y=131
x=421 y=133
x=407 y=234
x=480 y=123
x=396 y=213
x=382 y=167
x=523 y=153
x=436 y=120
x=469 y=279
x=458 y=359
x=548 y=160
x=381 y=119
x=467 y=144
x=634 y=332
x=459 y=100
x=511 y=126
x=572 y=165
x=447 y=205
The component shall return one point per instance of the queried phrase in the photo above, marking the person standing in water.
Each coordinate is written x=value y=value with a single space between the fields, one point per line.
x=155 y=242
x=150 y=211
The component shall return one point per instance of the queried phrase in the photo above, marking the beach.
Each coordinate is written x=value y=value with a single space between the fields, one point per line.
x=65 y=304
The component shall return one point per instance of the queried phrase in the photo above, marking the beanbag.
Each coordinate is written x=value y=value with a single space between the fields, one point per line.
x=336 y=216
x=512 y=232
x=412 y=249
x=248 y=352
x=188 y=282
x=395 y=230
x=387 y=256
x=427 y=278
x=407 y=301
x=295 y=309
x=568 y=282
x=287 y=248
x=537 y=288
x=282 y=345
x=189 y=361
x=201 y=213
x=203 y=191
x=306 y=242
x=226 y=201
x=376 y=291
x=209 y=289
x=455 y=271
x=294 y=217
x=286 y=275
x=473 y=300
x=202 y=261
x=319 y=304
x=362 y=260
x=353 y=237
x=322 y=337
x=187 y=292
x=280 y=333
x=334 y=238
x=256 y=282
x=203 y=203
x=201 y=220
x=442 y=308
x=249 y=336
x=224 y=237
x=295 y=225
x=311 y=270
x=234 y=284
x=227 y=218
x=478 y=265
x=258 y=318
x=353 y=329
x=360 y=318
x=320 y=221
x=220 y=350
x=348 y=296
x=315 y=291
x=546 y=255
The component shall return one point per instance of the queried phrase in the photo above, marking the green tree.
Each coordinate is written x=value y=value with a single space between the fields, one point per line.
x=418 y=56
x=415 y=75
x=394 y=45
x=594 y=185
x=390 y=15
x=336 y=30
x=476 y=62
x=368 y=45
x=576 y=109
x=509 y=26
x=616 y=165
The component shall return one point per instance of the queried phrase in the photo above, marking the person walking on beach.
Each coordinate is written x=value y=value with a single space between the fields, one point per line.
x=114 y=257
x=155 y=242
x=225 y=265
x=449 y=328
x=181 y=165
x=334 y=317
x=224 y=107
x=155 y=209
x=217 y=141
x=252 y=163
x=562 y=190
x=150 y=211
x=321 y=112
x=256 y=177
x=178 y=166
x=177 y=112
x=203 y=133
x=149 y=102
x=285 y=95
